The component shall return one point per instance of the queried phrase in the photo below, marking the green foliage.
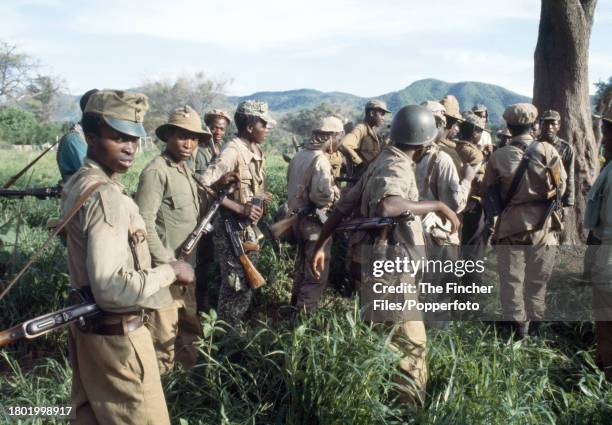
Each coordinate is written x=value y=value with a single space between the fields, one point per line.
x=302 y=122
x=19 y=127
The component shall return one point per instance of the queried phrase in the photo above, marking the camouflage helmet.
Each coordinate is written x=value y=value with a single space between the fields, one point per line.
x=413 y=126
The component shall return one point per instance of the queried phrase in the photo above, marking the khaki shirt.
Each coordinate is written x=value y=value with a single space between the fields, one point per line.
x=310 y=179
x=438 y=180
x=528 y=206
x=566 y=152
x=361 y=144
x=391 y=174
x=245 y=158
x=450 y=148
x=603 y=230
x=99 y=255
x=169 y=204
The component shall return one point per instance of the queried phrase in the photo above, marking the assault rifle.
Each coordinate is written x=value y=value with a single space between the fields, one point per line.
x=39 y=192
x=233 y=228
x=41 y=325
x=373 y=223
x=280 y=227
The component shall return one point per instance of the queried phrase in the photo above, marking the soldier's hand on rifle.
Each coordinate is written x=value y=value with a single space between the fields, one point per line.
x=225 y=180
x=184 y=272
x=253 y=212
x=317 y=263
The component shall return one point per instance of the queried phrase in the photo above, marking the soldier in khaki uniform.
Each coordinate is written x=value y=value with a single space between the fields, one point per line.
x=598 y=217
x=484 y=143
x=310 y=182
x=525 y=234
x=388 y=188
x=438 y=180
x=550 y=123
x=217 y=122
x=453 y=119
x=242 y=154
x=362 y=144
x=169 y=203
x=115 y=375
x=503 y=137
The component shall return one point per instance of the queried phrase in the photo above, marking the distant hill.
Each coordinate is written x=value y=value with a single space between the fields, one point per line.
x=469 y=93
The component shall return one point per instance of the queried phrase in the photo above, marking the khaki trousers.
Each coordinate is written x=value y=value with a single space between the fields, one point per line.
x=175 y=330
x=601 y=274
x=525 y=263
x=115 y=379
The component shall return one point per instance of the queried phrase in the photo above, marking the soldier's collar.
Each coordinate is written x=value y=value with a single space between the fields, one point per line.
x=169 y=160
x=99 y=171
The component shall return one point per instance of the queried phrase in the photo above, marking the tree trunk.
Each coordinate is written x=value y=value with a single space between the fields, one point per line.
x=561 y=82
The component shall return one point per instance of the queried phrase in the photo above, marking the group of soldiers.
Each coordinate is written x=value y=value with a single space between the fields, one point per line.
x=440 y=165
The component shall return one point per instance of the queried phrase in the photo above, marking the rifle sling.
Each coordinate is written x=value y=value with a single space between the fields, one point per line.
x=520 y=172
x=62 y=223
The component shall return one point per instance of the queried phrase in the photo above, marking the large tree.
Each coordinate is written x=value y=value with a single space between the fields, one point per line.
x=561 y=82
x=15 y=69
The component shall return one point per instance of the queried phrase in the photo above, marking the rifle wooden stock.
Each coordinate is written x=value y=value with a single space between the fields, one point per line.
x=13 y=179
x=253 y=277
x=250 y=246
x=280 y=227
x=11 y=335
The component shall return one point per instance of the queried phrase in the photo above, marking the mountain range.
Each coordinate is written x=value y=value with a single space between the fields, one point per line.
x=469 y=93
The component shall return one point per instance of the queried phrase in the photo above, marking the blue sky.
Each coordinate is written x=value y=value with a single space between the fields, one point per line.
x=361 y=47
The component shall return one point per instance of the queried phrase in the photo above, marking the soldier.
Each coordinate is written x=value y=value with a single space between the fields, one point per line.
x=115 y=375
x=598 y=217
x=169 y=204
x=362 y=144
x=525 y=229
x=503 y=137
x=387 y=189
x=438 y=180
x=244 y=155
x=550 y=123
x=484 y=143
x=218 y=122
x=453 y=118
x=72 y=148
x=310 y=182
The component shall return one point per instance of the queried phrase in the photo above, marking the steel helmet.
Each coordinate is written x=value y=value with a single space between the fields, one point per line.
x=413 y=125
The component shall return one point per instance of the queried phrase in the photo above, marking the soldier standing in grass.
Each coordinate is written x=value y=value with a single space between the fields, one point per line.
x=525 y=230
x=72 y=148
x=310 y=182
x=115 y=375
x=387 y=189
x=598 y=218
x=362 y=144
x=170 y=205
x=242 y=154
x=217 y=121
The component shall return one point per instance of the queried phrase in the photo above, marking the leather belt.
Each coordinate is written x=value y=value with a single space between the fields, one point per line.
x=126 y=324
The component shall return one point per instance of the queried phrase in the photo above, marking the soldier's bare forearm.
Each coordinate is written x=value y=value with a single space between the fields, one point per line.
x=393 y=206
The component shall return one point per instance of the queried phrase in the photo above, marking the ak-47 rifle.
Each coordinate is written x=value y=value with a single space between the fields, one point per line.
x=39 y=192
x=41 y=325
x=253 y=277
x=280 y=227
x=554 y=196
x=295 y=143
x=13 y=179
x=373 y=223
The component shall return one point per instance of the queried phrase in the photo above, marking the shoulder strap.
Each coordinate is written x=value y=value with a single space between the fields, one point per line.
x=62 y=223
x=520 y=171
x=430 y=169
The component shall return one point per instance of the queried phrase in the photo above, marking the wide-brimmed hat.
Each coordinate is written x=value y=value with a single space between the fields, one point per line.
x=123 y=111
x=607 y=113
x=451 y=104
x=185 y=118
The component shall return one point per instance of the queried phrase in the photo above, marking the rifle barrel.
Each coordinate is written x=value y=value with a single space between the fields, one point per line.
x=13 y=179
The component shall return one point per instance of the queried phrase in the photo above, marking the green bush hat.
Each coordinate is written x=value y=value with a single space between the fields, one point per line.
x=186 y=118
x=550 y=115
x=475 y=120
x=123 y=111
x=255 y=108
x=521 y=114
x=217 y=113
x=377 y=104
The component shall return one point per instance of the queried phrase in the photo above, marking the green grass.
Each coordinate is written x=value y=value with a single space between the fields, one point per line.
x=329 y=368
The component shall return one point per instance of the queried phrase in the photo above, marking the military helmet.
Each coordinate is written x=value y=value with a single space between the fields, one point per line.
x=413 y=126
